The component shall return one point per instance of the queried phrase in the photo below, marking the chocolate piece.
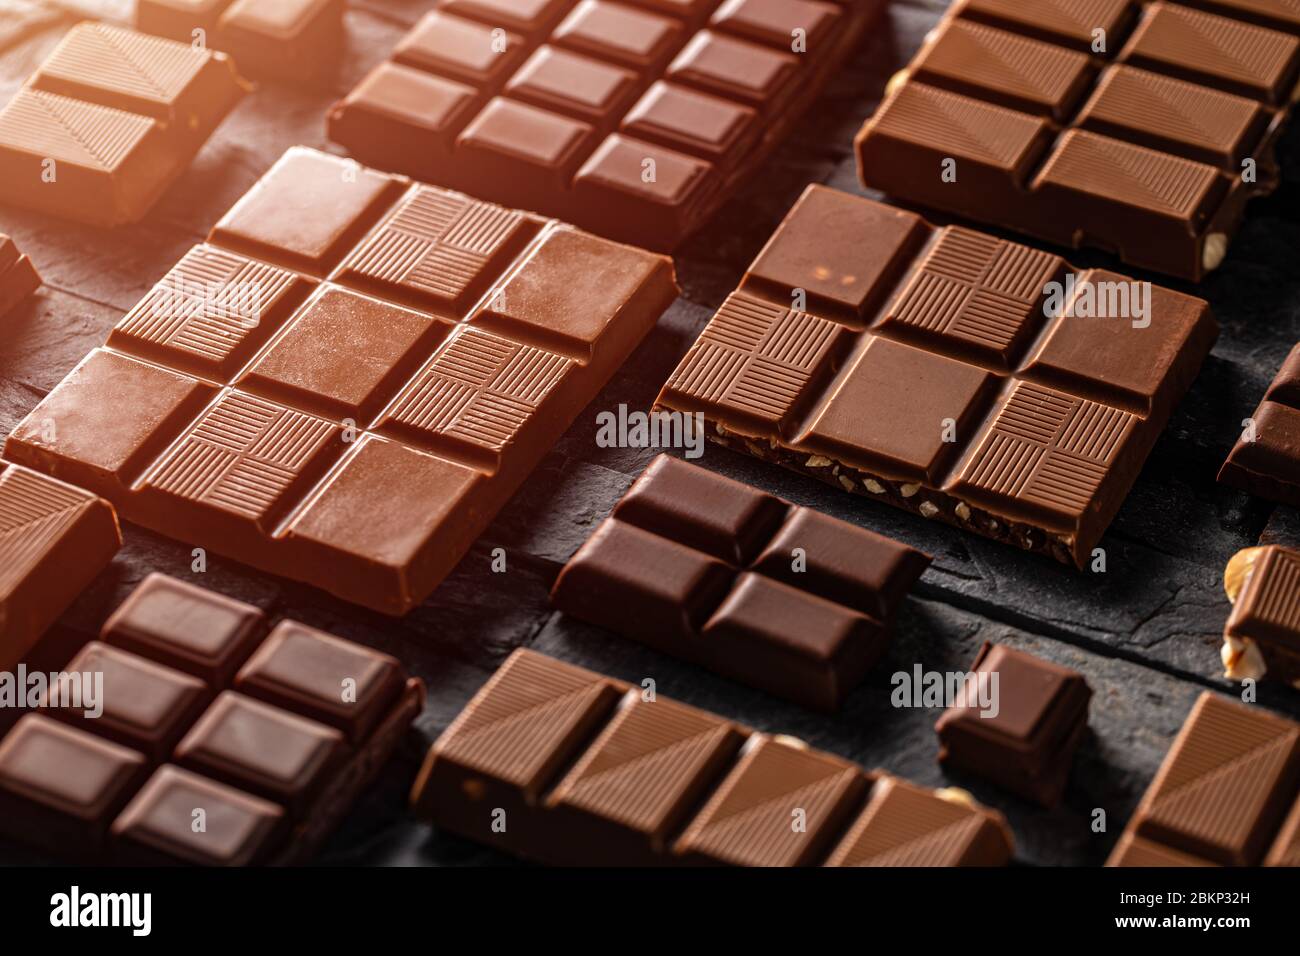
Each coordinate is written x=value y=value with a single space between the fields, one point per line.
x=906 y=825
x=1134 y=851
x=54 y=540
x=109 y=121
x=292 y=41
x=1262 y=635
x=270 y=780
x=1025 y=741
x=1286 y=849
x=636 y=122
x=1266 y=458
x=1010 y=395
x=561 y=765
x=358 y=433
x=753 y=587
x=1225 y=786
x=18 y=277
x=1138 y=128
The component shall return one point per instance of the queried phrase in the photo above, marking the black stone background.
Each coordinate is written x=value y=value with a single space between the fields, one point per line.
x=1145 y=633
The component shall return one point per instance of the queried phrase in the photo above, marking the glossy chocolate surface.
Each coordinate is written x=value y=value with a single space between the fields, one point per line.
x=1266 y=458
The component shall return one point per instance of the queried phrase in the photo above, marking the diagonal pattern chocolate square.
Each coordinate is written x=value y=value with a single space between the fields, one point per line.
x=969 y=379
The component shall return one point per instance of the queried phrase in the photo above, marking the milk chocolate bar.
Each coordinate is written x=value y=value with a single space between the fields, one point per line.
x=54 y=540
x=1139 y=128
x=18 y=277
x=1262 y=635
x=716 y=572
x=1266 y=458
x=634 y=120
x=109 y=121
x=1224 y=789
x=564 y=766
x=968 y=379
x=217 y=744
x=296 y=41
x=1018 y=724
x=349 y=380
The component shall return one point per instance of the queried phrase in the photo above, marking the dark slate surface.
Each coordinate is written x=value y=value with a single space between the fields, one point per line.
x=1145 y=633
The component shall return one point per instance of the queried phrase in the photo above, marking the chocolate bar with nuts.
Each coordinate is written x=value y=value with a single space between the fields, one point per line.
x=1262 y=636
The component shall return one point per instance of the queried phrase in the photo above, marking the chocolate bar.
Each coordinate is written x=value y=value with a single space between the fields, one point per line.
x=296 y=41
x=1262 y=635
x=54 y=540
x=356 y=433
x=635 y=121
x=1008 y=394
x=18 y=277
x=1223 y=791
x=1142 y=129
x=776 y=596
x=564 y=766
x=218 y=743
x=1265 y=461
x=109 y=121
x=1018 y=724
x=1132 y=850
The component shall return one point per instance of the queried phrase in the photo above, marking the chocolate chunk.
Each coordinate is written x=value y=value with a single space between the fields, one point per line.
x=1225 y=786
x=1132 y=850
x=253 y=758
x=256 y=411
x=1025 y=739
x=54 y=540
x=1262 y=635
x=564 y=766
x=1286 y=849
x=755 y=588
x=109 y=121
x=1108 y=124
x=633 y=121
x=1266 y=458
x=1011 y=395
x=18 y=277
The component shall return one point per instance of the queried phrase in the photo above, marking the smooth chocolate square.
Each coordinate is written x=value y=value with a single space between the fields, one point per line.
x=459 y=48
x=573 y=84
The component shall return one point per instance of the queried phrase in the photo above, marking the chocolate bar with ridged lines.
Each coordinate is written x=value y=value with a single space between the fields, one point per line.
x=108 y=121
x=18 y=277
x=349 y=379
x=564 y=766
x=960 y=376
x=1140 y=128
x=1226 y=793
x=777 y=596
x=635 y=120
x=1261 y=638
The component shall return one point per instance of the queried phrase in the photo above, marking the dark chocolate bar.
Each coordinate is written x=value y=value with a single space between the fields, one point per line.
x=357 y=433
x=18 y=277
x=217 y=743
x=1262 y=635
x=1026 y=738
x=634 y=120
x=1266 y=458
x=1224 y=788
x=755 y=588
x=561 y=765
x=109 y=121
x=54 y=540
x=968 y=379
x=296 y=41
x=1139 y=128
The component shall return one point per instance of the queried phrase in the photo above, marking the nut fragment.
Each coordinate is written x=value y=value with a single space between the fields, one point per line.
x=896 y=81
x=847 y=483
x=818 y=461
x=720 y=428
x=956 y=795
x=928 y=509
x=875 y=487
x=1215 y=251
x=963 y=511
x=789 y=741
x=1242 y=659
x=1235 y=575
x=909 y=489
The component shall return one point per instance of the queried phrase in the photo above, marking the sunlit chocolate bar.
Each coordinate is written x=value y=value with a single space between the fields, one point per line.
x=945 y=371
x=1261 y=638
x=1138 y=128
x=215 y=743
x=348 y=381
x=634 y=120
x=109 y=121
x=18 y=277
x=564 y=766
x=777 y=596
